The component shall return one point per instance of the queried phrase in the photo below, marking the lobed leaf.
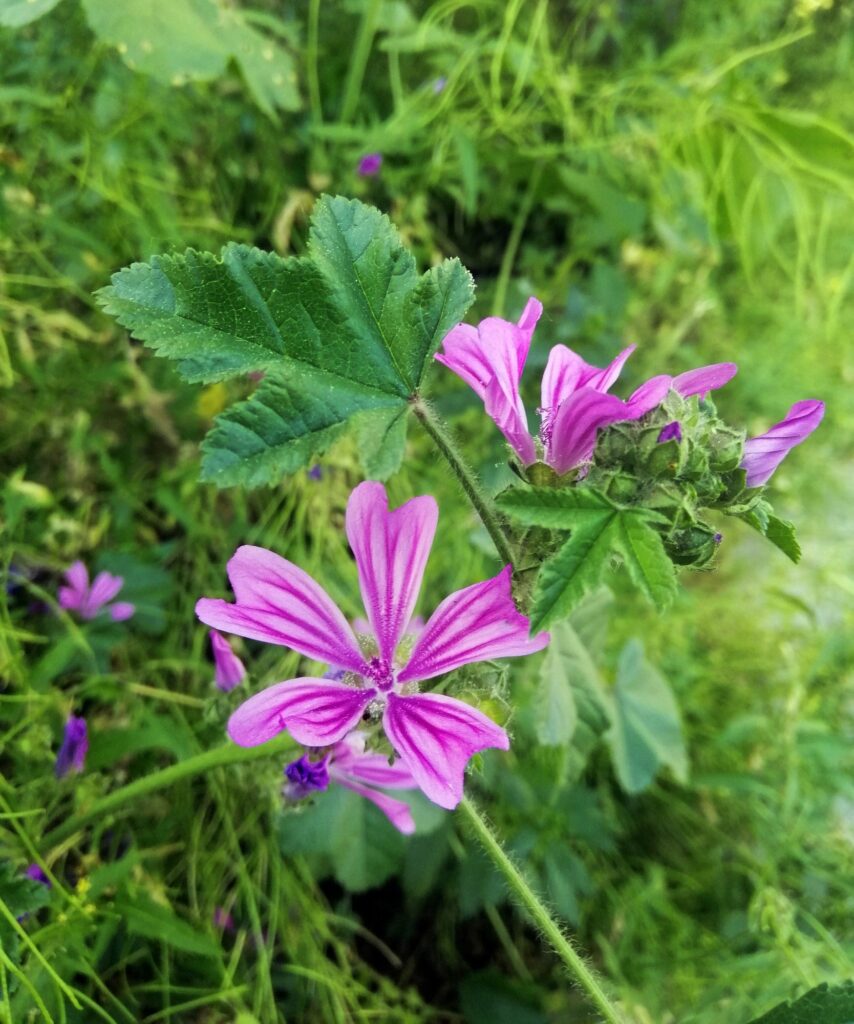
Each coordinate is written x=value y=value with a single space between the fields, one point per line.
x=821 y=1005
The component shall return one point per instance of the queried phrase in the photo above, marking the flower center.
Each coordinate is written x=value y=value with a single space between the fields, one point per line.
x=380 y=673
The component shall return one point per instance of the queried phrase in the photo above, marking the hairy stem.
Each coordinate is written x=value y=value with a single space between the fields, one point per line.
x=537 y=911
x=126 y=795
x=443 y=440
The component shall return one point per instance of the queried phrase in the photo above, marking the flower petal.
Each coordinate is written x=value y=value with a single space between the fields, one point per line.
x=490 y=359
x=391 y=550
x=315 y=712
x=704 y=379
x=397 y=812
x=573 y=430
x=121 y=610
x=649 y=395
x=77 y=577
x=566 y=372
x=105 y=586
x=75 y=746
x=229 y=670
x=763 y=454
x=280 y=604
x=436 y=736
x=70 y=599
x=474 y=624
x=350 y=758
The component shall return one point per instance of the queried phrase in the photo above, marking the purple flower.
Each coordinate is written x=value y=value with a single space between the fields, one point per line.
x=763 y=454
x=222 y=919
x=36 y=874
x=350 y=765
x=75 y=744
x=671 y=432
x=439 y=84
x=88 y=601
x=315 y=473
x=575 y=404
x=229 y=670
x=277 y=602
x=369 y=165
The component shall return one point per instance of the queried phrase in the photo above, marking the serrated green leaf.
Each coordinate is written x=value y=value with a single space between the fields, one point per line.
x=821 y=1005
x=15 y=13
x=555 y=509
x=646 y=560
x=781 y=533
x=577 y=567
x=345 y=331
x=284 y=425
x=647 y=728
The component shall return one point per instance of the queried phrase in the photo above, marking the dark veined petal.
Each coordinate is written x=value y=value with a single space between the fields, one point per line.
x=575 y=426
x=474 y=624
x=279 y=603
x=391 y=550
x=436 y=736
x=315 y=712
x=566 y=372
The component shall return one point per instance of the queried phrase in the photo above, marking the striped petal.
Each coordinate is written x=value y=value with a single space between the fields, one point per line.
x=391 y=550
x=397 y=812
x=436 y=736
x=566 y=372
x=280 y=604
x=763 y=454
x=477 y=623
x=704 y=379
x=574 y=428
x=315 y=712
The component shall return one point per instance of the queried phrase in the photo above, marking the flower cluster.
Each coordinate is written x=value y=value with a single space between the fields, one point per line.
x=576 y=404
x=375 y=677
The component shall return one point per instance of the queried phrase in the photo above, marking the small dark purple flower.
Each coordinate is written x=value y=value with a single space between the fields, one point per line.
x=35 y=874
x=315 y=473
x=671 y=432
x=718 y=538
x=305 y=777
x=370 y=164
x=75 y=744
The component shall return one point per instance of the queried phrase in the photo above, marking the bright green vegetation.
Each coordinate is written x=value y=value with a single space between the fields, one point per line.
x=680 y=784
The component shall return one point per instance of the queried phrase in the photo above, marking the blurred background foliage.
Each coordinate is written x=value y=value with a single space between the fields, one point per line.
x=677 y=174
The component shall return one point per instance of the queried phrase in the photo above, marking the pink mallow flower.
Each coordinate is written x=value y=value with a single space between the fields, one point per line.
x=575 y=404
x=75 y=746
x=434 y=735
x=89 y=601
x=763 y=454
x=229 y=670
x=351 y=766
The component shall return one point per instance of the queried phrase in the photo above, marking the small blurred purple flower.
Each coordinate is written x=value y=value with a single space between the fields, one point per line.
x=439 y=84
x=88 y=601
x=434 y=735
x=575 y=404
x=671 y=432
x=304 y=777
x=75 y=744
x=369 y=165
x=315 y=473
x=718 y=537
x=229 y=670
x=222 y=919
x=763 y=454
x=36 y=874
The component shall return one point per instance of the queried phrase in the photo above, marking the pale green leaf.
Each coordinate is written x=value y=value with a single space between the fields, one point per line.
x=381 y=440
x=566 y=659
x=14 y=13
x=647 y=728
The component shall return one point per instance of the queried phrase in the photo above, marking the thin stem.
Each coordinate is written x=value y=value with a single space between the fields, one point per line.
x=538 y=912
x=359 y=59
x=311 y=60
x=445 y=443
x=124 y=796
x=513 y=242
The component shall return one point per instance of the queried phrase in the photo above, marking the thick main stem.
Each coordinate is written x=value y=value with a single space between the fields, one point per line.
x=124 y=796
x=538 y=912
x=445 y=443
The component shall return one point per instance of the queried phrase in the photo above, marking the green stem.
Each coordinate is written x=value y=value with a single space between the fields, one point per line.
x=311 y=61
x=359 y=60
x=513 y=242
x=124 y=797
x=538 y=912
x=468 y=481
